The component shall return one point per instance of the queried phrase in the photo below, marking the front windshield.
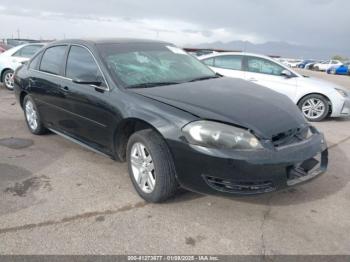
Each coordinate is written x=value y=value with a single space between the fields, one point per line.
x=137 y=64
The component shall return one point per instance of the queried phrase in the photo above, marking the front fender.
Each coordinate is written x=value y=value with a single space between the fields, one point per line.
x=166 y=119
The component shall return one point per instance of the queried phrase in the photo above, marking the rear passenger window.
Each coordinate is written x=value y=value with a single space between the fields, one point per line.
x=27 y=51
x=263 y=66
x=81 y=65
x=52 y=60
x=233 y=62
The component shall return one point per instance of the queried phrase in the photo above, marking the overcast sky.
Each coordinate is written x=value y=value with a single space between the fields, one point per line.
x=185 y=22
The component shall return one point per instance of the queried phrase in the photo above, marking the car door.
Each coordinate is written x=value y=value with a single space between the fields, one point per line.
x=92 y=118
x=227 y=65
x=45 y=84
x=269 y=74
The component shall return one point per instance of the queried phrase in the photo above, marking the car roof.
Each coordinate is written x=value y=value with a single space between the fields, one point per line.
x=106 y=41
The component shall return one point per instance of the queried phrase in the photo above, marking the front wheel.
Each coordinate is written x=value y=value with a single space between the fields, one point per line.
x=7 y=79
x=314 y=107
x=151 y=166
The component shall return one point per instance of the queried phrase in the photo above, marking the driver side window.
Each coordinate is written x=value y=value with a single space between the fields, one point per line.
x=81 y=65
x=263 y=66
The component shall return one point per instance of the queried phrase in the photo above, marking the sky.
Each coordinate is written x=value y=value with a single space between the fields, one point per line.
x=324 y=23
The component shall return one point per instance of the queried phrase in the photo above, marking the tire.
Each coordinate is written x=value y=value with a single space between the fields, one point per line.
x=6 y=79
x=317 y=116
x=164 y=175
x=30 y=107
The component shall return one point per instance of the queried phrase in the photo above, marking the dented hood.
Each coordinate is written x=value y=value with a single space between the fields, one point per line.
x=233 y=101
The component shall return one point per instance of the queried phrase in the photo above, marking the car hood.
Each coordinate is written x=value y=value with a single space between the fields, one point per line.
x=233 y=101
x=320 y=85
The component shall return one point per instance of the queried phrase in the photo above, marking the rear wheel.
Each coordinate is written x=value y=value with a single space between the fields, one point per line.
x=7 y=79
x=32 y=117
x=151 y=166
x=314 y=107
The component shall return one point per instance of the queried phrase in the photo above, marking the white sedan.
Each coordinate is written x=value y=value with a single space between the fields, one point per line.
x=13 y=58
x=324 y=66
x=316 y=98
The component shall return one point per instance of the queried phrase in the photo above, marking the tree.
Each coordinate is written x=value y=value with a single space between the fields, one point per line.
x=340 y=58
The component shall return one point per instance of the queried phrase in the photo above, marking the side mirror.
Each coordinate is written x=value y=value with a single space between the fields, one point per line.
x=94 y=82
x=286 y=73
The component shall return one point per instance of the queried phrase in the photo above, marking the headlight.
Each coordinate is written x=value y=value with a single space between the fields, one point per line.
x=217 y=135
x=342 y=92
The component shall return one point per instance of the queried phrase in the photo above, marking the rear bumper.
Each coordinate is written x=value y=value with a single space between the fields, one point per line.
x=221 y=172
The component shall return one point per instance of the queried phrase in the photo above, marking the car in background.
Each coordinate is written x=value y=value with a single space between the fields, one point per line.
x=343 y=69
x=310 y=66
x=3 y=47
x=324 y=66
x=293 y=62
x=305 y=62
x=11 y=59
x=175 y=122
x=316 y=98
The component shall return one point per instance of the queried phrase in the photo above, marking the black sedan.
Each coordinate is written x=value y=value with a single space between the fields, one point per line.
x=174 y=121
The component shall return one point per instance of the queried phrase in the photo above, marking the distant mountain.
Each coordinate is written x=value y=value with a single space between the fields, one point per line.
x=282 y=49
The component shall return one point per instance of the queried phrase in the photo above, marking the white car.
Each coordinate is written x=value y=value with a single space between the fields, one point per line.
x=11 y=59
x=324 y=66
x=293 y=62
x=316 y=98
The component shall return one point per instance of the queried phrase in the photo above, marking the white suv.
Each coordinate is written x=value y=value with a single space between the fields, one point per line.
x=316 y=98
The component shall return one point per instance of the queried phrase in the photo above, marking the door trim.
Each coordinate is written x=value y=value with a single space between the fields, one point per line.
x=78 y=142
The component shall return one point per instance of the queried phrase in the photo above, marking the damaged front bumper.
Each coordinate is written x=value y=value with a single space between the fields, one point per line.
x=232 y=172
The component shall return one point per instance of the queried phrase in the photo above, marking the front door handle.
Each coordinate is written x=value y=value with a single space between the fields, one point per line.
x=64 y=88
x=252 y=79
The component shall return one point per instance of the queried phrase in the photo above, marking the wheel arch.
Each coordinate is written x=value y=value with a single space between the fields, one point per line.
x=124 y=130
x=3 y=72
x=22 y=95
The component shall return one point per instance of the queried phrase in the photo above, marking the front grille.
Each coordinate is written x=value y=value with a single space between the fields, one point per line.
x=239 y=187
x=290 y=137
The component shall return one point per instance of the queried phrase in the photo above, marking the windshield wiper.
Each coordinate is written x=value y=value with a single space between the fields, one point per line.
x=205 y=78
x=154 y=84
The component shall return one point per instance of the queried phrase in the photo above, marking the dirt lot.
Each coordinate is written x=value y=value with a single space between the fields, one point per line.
x=58 y=198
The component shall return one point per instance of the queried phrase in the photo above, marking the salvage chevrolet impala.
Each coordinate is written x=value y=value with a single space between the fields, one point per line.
x=175 y=122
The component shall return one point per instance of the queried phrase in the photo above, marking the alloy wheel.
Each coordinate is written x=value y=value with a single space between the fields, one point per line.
x=31 y=115
x=313 y=108
x=142 y=167
x=9 y=80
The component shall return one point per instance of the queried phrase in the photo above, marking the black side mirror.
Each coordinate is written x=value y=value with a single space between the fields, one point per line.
x=87 y=82
x=286 y=73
